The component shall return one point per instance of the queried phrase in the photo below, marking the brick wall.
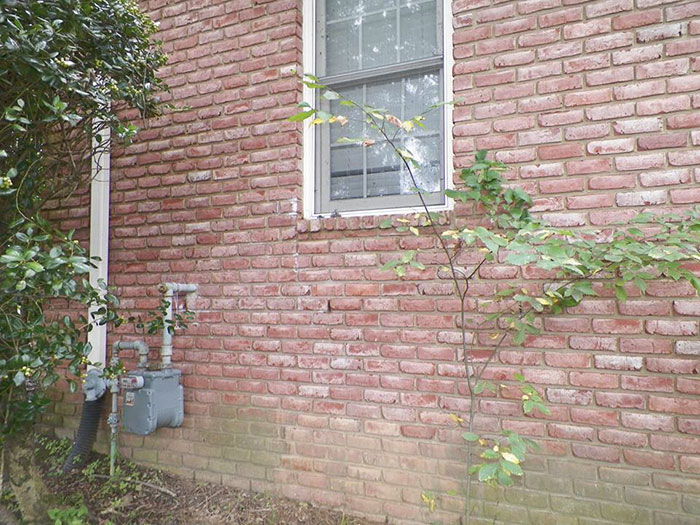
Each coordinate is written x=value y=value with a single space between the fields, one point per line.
x=312 y=373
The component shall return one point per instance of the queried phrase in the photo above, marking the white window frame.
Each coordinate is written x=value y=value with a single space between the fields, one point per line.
x=309 y=133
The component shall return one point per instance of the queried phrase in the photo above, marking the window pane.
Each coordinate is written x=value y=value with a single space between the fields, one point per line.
x=383 y=171
x=342 y=47
x=379 y=39
x=354 y=127
x=376 y=170
x=347 y=173
x=420 y=93
x=385 y=95
x=426 y=151
x=357 y=36
x=336 y=9
x=419 y=31
x=371 y=33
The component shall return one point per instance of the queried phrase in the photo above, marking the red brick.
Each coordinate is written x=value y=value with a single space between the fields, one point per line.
x=675 y=444
x=655 y=460
x=561 y=185
x=622 y=438
x=531 y=6
x=652 y=384
x=557 y=85
x=683 y=47
x=682 y=84
x=679 y=12
x=689 y=426
x=515 y=26
x=641 y=162
x=673 y=366
x=595 y=417
x=674 y=405
x=637 y=55
x=688 y=385
x=559 y=151
x=691 y=308
x=539 y=71
x=585 y=29
x=560 y=17
x=594 y=380
x=639 y=90
x=665 y=105
x=678 y=66
x=589 y=131
x=569 y=396
x=596 y=453
x=570 y=432
x=687 y=196
x=630 y=127
x=560 y=50
x=659 y=33
x=617 y=326
x=589 y=201
x=641 y=198
x=615 y=400
x=585 y=98
x=684 y=158
x=611 y=182
x=637 y=19
x=585 y=63
x=608 y=147
x=538 y=38
x=675 y=328
x=606 y=42
x=648 y=421
x=620 y=74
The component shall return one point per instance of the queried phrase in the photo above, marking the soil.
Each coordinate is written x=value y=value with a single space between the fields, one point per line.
x=140 y=496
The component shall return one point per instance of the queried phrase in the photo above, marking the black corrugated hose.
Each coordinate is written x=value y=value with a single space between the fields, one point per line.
x=87 y=432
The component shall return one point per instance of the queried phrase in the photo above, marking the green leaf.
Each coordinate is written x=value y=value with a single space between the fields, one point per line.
x=620 y=292
x=504 y=479
x=490 y=454
x=35 y=266
x=457 y=195
x=303 y=115
x=19 y=378
x=488 y=471
x=470 y=436
x=521 y=259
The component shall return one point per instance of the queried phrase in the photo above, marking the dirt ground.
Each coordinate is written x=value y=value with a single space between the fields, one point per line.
x=141 y=496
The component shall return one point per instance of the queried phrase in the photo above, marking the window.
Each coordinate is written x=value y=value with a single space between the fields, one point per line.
x=387 y=54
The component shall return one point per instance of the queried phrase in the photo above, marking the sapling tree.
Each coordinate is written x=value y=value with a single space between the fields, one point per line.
x=494 y=225
x=67 y=69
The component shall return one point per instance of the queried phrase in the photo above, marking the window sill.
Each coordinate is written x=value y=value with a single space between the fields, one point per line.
x=351 y=221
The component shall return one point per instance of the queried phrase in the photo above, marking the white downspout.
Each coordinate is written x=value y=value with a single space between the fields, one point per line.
x=169 y=290
x=99 y=234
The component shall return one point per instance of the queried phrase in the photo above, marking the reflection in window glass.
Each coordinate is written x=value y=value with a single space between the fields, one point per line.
x=373 y=171
x=371 y=33
x=379 y=40
x=387 y=54
x=342 y=47
x=418 y=31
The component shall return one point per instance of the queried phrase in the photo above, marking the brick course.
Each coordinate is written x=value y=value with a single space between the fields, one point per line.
x=312 y=373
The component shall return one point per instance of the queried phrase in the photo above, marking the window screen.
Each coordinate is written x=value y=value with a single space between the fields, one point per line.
x=387 y=54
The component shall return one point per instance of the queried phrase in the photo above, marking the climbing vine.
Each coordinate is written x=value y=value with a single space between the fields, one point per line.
x=495 y=226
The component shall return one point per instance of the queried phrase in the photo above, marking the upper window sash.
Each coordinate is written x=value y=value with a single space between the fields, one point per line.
x=423 y=58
